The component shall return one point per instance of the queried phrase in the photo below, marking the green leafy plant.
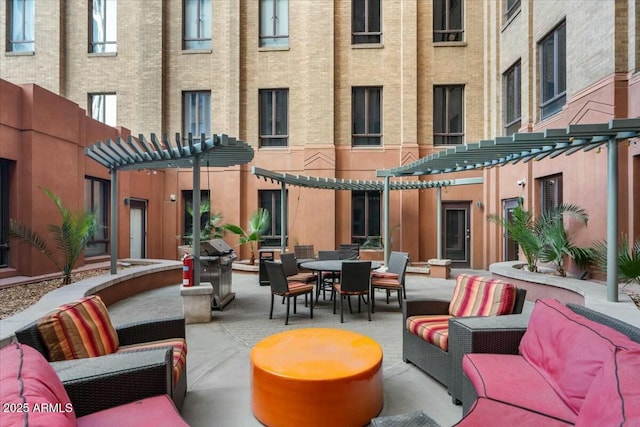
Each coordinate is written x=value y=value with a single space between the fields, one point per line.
x=211 y=229
x=543 y=238
x=71 y=236
x=259 y=221
x=628 y=259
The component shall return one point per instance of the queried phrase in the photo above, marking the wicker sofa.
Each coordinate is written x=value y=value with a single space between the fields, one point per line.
x=33 y=395
x=79 y=339
x=572 y=366
x=434 y=343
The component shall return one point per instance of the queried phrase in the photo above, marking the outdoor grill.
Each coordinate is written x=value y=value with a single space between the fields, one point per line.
x=216 y=257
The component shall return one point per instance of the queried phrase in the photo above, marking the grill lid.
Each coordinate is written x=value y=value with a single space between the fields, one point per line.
x=215 y=247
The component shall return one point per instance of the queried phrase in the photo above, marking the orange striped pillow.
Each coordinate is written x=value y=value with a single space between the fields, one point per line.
x=79 y=329
x=481 y=296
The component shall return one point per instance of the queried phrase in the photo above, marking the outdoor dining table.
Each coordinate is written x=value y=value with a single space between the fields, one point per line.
x=331 y=266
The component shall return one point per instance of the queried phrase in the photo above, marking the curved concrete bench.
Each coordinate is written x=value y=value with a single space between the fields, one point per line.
x=567 y=290
x=110 y=287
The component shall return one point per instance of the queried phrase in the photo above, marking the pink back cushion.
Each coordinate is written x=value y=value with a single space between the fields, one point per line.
x=30 y=391
x=613 y=399
x=568 y=349
x=481 y=296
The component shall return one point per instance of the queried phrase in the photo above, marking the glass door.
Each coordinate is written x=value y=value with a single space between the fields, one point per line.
x=456 y=233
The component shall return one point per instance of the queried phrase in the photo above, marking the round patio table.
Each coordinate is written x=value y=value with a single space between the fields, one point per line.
x=316 y=377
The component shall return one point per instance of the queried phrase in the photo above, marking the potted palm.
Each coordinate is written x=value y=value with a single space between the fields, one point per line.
x=258 y=223
x=71 y=236
x=628 y=264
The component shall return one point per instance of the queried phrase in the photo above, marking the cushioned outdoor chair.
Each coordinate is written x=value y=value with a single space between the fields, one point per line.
x=392 y=279
x=349 y=251
x=83 y=329
x=426 y=340
x=282 y=287
x=354 y=280
x=290 y=265
x=328 y=278
x=304 y=252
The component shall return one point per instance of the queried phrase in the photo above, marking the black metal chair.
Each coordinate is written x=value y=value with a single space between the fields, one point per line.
x=304 y=252
x=328 y=277
x=282 y=287
x=392 y=279
x=354 y=280
x=290 y=265
x=349 y=251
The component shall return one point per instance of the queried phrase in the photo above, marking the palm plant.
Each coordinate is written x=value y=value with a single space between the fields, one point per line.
x=259 y=221
x=211 y=229
x=557 y=246
x=521 y=228
x=628 y=259
x=71 y=236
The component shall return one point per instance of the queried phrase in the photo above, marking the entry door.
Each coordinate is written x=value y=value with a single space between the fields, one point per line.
x=511 y=249
x=138 y=229
x=456 y=233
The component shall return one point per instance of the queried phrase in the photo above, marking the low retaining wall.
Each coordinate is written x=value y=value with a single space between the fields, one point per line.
x=110 y=287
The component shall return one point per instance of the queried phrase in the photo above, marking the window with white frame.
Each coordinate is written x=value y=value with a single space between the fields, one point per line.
x=366 y=114
x=96 y=200
x=447 y=21
x=274 y=117
x=448 y=115
x=21 y=25
x=511 y=7
x=196 y=113
x=197 y=24
x=553 y=71
x=103 y=107
x=274 y=23
x=365 y=217
x=366 y=21
x=512 y=96
x=104 y=26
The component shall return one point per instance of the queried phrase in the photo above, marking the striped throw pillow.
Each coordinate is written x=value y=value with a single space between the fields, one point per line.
x=481 y=296
x=79 y=329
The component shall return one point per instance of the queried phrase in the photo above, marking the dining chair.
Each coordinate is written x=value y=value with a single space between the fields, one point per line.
x=328 y=277
x=282 y=287
x=290 y=265
x=354 y=280
x=392 y=279
x=349 y=251
x=304 y=251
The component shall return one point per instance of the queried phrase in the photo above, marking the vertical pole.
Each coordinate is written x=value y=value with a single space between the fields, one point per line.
x=439 y=221
x=612 y=221
x=114 y=221
x=284 y=203
x=387 y=238
x=195 y=251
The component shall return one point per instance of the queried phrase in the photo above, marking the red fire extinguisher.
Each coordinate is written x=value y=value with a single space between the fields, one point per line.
x=187 y=270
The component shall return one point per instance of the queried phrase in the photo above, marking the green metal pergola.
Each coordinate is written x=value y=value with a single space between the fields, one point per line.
x=525 y=147
x=140 y=154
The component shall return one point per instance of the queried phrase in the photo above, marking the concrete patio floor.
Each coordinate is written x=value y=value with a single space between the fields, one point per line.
x=218 y=352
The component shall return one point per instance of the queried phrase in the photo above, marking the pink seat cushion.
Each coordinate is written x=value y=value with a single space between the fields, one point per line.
x=157 y=411
x=30 y=391
x=614 y=397
x=568 y=349
x=487 y=412
x=433 y=329
x=509 y=379
x=481 y=296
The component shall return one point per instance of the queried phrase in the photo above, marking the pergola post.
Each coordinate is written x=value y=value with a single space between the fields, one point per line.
x=114 y=221
x=283 y=215
x=439 y=222
x=612 y=221
x=387 y=237
x=195 y=251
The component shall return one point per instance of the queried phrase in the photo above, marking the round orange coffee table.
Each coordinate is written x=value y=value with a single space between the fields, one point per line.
x=316 y=377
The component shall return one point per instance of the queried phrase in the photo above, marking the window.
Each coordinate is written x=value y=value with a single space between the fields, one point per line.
x=448 y=115
x=196 y=114
x=103 y=107
x=365 y=217
x=553 y=72
x=512 y=99
x=96 y=200
x=4 y=213
x=447 y=21
x=197 y=24
x=274 y=22
x=274 y=117
x=511 y=7
x=367 y=116
x=550 y=192
x=104 y=26
x=366 y=25
x=205 y=214
x=271 y=201
x=21 y=25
